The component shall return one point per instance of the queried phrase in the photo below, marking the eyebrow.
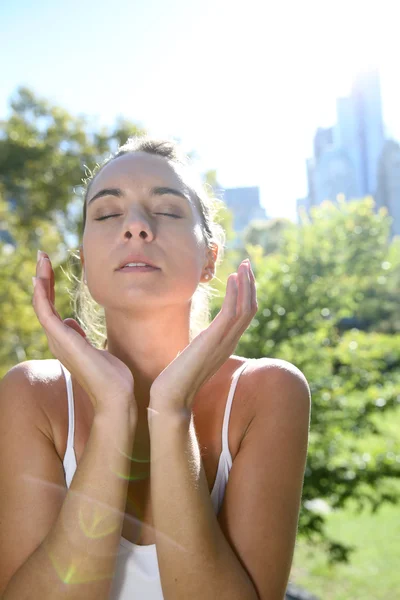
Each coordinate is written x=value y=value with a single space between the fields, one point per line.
x=155 y=191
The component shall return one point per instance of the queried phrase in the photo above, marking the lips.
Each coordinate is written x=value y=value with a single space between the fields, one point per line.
x=137 y=259
x=138 y=269
x=141 y=266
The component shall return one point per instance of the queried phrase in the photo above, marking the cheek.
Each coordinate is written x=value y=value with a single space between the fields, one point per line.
x=97 y=257
x=99 y=240
x=193 y=248
x=189 y=269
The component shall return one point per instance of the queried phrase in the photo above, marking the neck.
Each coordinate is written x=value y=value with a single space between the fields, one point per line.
x=147 y=345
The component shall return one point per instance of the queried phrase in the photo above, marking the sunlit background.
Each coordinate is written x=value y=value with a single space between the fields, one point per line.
x=243 y=84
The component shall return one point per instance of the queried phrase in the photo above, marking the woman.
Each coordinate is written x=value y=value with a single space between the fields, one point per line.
x=121 y=478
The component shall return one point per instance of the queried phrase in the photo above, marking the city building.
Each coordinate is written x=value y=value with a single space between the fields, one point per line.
x=244 y=203
x=388 y=189
x=352 y=157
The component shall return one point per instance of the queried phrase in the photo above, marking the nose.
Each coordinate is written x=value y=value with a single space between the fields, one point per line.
x=137 y=224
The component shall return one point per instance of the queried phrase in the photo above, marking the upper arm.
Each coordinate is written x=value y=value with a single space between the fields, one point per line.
x=31 y=474
x=259 y=515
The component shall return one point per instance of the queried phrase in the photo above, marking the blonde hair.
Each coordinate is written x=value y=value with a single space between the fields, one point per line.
x=88 y=312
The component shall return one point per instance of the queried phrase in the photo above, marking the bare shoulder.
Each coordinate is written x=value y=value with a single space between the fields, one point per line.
x=271 y=379
x=37 y=372
x=277 y=367
x=35 y=383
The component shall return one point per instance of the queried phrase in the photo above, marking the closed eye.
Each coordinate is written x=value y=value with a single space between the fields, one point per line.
x=169 y=215
x=166 y=214
x=106 y=217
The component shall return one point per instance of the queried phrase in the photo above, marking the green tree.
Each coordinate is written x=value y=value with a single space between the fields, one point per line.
x=43 y=153
x=267 y=234
x=331 y=272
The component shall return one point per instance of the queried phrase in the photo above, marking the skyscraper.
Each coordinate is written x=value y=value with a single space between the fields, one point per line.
x=388 y=188
x=244 y=202
x=359 y=130
x=346 y=155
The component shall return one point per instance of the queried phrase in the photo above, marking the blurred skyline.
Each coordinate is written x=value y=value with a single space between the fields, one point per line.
x=244 y=85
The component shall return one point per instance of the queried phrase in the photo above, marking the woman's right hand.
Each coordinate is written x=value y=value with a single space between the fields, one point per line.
x=105 y=378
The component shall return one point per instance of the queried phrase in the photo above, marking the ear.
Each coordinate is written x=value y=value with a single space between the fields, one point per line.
x=212 y=256
x=215 y=250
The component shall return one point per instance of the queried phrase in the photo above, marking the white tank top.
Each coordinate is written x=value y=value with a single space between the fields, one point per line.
x=136 y=573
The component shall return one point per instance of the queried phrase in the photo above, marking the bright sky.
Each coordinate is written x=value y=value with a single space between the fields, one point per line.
x=244 y=84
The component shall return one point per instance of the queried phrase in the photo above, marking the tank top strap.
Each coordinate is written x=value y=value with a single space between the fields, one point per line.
x=225 y=443
x=71 y=411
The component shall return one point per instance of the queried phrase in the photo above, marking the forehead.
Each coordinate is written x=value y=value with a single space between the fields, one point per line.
x=138 y=170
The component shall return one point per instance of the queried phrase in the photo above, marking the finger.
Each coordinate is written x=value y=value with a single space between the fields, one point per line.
x=244 y=292
x=56 y=330
x=52 y=287
x=227 y=316
x=229 y=306
x=44 y=271
x=253 y=288
x=41 y=302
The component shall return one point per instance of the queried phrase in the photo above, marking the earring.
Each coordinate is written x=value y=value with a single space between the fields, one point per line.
x=206 y=276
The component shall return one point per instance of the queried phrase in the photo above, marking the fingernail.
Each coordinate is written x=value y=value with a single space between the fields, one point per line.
x=42 y=256
x=34 y=282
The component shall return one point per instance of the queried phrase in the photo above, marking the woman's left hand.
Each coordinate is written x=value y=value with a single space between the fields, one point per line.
x=177 y=385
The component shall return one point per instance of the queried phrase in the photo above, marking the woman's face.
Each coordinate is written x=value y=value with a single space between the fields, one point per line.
x=144 y=217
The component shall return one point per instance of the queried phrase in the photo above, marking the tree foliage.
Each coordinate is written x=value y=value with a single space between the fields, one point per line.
x=328 y=303
x=266 y=233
